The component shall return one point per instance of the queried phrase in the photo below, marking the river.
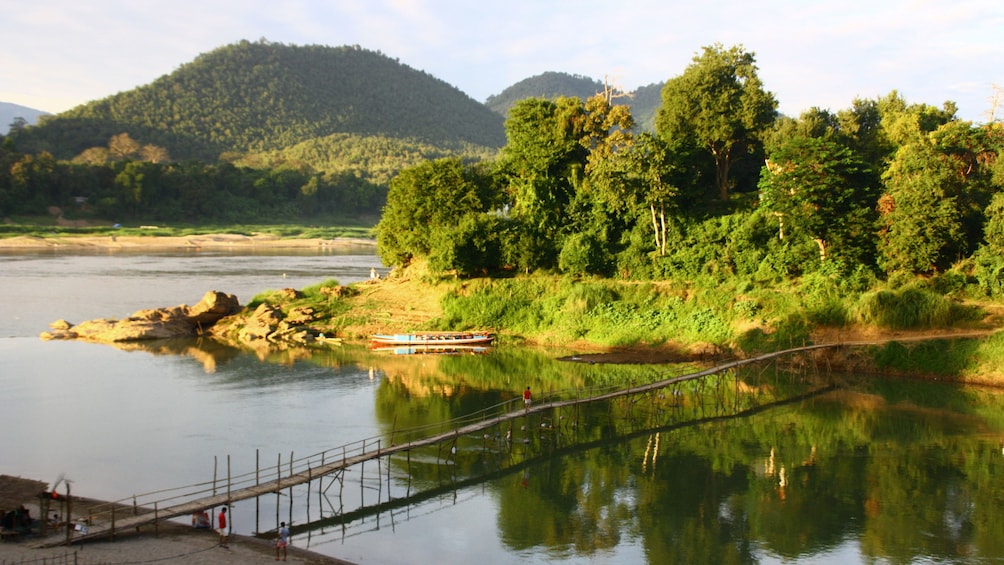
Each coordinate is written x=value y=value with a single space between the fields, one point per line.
x=874 y=471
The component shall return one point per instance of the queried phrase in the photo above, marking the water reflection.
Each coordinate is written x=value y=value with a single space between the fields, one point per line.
x=856 y=471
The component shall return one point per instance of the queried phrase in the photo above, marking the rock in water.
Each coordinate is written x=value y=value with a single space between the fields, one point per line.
x=158 y=323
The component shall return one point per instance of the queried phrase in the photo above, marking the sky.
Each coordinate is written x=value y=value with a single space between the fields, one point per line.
x=57 y=54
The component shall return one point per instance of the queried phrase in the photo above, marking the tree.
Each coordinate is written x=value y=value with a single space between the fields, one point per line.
x=425 y=199
x=122 y=146
x=544 y=158
x=154 y=154
x=607 y=128
x=17 y=125
x=720 y=105
x=32 y=183
x=140 y=185
x=921 y=228
x=937 y=191
x=642 y=182
x=994 y=229
x=817 y=187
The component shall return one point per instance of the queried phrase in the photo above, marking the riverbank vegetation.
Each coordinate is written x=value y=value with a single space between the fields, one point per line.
x=728 y=227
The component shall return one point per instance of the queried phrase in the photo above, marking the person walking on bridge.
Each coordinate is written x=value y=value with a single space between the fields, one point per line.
x=527 y=398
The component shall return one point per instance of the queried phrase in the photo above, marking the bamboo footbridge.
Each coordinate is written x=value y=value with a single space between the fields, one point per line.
x=150 y=509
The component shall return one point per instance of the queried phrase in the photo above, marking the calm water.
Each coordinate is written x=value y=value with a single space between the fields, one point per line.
x=876 y=471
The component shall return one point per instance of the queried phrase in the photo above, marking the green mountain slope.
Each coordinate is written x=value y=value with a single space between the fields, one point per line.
x=254 y=97
x=545 y=85
x=372 y=158
x=644 y=102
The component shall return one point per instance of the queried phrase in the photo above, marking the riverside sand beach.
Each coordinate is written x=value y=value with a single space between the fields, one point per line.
x=205 y=241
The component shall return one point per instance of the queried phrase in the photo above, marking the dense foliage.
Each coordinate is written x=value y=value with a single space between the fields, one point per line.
x=877 y=194
x=376 y=159
x=833 y=204
x=142 y=191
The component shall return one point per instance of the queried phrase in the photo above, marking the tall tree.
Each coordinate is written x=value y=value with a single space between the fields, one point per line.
x=642 y=183
x=544 y=158
x=720 y=105
x=921 y=225
x=818 y=188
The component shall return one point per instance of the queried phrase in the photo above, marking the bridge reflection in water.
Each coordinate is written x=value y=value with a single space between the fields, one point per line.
x=415 y=468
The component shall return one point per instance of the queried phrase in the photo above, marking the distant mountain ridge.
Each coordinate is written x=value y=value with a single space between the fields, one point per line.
x=545 y=85
x=10 y=111
x=644 y=102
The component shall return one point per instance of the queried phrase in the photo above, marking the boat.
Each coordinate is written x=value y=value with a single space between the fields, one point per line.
x=433 y=349
x=434 y=338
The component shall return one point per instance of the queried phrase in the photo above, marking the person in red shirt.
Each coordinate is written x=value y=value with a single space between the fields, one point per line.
x=221 y=527
x=526 y=398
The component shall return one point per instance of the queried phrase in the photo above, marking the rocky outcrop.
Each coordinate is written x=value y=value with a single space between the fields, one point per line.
x=159 y=323
x=269 y=324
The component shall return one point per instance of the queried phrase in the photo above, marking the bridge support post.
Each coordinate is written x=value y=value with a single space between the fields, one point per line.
x=257 y=499
x=278 y=485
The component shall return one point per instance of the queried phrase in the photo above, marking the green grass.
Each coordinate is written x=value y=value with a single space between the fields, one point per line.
x=912 y=307
x=606 y=312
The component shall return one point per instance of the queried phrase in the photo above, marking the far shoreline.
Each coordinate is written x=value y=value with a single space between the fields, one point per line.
x=191 y=242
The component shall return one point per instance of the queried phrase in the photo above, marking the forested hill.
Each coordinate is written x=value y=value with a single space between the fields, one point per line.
x=545 y=85
x=644 y=102
x=259 y=96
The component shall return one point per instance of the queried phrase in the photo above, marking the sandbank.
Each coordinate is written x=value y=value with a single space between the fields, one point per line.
x=191 y=242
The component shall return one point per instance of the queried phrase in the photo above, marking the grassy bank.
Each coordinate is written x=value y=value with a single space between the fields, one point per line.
x=602 y=314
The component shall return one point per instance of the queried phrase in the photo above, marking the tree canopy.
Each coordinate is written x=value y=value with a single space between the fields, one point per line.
x=720 y=105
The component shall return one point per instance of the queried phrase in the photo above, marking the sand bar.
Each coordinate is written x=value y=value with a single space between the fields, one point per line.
x=204 y=241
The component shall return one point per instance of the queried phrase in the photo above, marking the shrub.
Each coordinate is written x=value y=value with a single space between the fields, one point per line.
x=988 y=272
x=911 y=308
x=583 y=254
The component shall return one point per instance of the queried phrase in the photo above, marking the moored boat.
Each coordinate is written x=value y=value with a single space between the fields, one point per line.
x=434 y=338
x=433 y=349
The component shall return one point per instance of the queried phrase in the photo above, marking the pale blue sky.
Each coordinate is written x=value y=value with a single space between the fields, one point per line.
x=56 y=54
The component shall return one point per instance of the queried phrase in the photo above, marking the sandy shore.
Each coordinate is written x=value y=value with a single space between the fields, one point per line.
x=206 y=241
x=171 y=542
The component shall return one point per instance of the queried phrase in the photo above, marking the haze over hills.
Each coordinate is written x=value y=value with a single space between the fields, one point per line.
x=9 y=112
